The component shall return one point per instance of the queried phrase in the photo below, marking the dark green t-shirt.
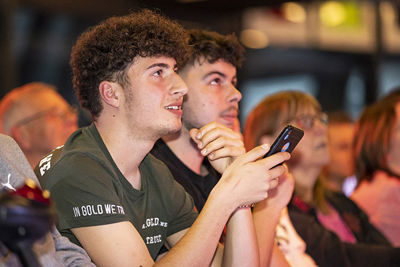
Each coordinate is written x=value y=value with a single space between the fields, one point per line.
x=89 y=190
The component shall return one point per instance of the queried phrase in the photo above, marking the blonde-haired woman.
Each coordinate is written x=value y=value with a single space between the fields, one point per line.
x=332 y=226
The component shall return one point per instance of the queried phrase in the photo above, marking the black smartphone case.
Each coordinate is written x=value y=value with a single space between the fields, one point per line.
x=286 y=141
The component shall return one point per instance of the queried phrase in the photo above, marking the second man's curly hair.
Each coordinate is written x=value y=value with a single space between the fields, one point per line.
x=106 y=51
x=211 y=46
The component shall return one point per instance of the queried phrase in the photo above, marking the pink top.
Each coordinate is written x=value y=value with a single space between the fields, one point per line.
x=335 y=223
x=380 y=199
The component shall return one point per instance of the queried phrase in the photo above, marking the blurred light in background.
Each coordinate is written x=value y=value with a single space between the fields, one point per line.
x=334 y=14
x=294 y=12
x=254 y=39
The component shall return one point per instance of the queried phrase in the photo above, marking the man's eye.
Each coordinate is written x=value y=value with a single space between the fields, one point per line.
x=216 y=81
x=234 y=82
x=158 y=73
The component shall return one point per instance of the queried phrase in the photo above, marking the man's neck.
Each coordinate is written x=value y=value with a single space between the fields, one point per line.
x=185 y=149
x=126 y=149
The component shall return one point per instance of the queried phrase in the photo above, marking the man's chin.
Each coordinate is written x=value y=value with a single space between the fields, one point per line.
x=173 y=130
x=189 y=125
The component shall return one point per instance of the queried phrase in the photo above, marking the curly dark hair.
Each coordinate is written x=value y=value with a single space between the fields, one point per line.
x=106 y=51
x=212 y=46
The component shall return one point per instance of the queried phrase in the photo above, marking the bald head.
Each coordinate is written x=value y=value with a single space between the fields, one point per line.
x=23 y=102
x=37 y=117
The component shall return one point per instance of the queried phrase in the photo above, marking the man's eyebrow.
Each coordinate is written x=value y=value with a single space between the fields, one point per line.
x=220 y=74
x=161 y=65
x=215 y=72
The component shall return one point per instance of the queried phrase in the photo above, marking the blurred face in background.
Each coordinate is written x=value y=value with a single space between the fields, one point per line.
x=312 y=151
x=299 y=109
x=393 y=157
x=340 y=140
x=47 y=123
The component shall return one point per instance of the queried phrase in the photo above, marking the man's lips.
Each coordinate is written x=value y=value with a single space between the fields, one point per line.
x=229 y=118
x=175 y=108
x=230 y=113
x=235 y=115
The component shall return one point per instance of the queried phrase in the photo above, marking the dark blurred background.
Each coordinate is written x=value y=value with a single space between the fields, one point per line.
x=346 y=53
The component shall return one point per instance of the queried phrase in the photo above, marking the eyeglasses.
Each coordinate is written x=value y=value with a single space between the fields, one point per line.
x=53 y=112
x=307 y=122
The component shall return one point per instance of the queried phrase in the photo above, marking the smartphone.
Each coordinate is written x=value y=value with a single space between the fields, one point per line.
x=286 y=141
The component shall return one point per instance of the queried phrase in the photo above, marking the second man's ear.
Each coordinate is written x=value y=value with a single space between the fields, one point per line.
x=110 y=93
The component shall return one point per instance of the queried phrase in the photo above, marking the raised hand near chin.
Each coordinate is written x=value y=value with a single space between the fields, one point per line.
x=220 y=144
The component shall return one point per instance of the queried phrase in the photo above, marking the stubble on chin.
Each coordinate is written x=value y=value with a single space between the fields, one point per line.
x=173 y=129
x=190 y=124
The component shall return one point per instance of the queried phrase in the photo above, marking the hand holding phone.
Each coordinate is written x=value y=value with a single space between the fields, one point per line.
x=286 y=141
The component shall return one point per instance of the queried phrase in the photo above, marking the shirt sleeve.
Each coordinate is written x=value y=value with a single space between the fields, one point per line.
x=83 y=194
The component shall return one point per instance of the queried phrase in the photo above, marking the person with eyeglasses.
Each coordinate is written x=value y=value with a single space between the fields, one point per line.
x=38 y=118
x=336 y=231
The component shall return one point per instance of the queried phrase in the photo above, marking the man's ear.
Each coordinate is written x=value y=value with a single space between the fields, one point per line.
x=110 y=93
x=266 y=139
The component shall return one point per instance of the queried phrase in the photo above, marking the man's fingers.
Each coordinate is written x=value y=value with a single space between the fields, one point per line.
x=276 y=159
x=230 y=151
x=254 y=154
x=219 y=131
x=276 y=172
x=193 y=134
x=206 y=128
x=221 y=143
x=274 y=183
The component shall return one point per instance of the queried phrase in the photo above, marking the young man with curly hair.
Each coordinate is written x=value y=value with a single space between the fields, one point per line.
x=114 y=198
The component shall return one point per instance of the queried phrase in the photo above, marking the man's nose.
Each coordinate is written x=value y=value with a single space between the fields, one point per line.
x=235 y=95
x=179 y=86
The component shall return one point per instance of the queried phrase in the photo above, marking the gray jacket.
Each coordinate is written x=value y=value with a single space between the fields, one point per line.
x=53 y=249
